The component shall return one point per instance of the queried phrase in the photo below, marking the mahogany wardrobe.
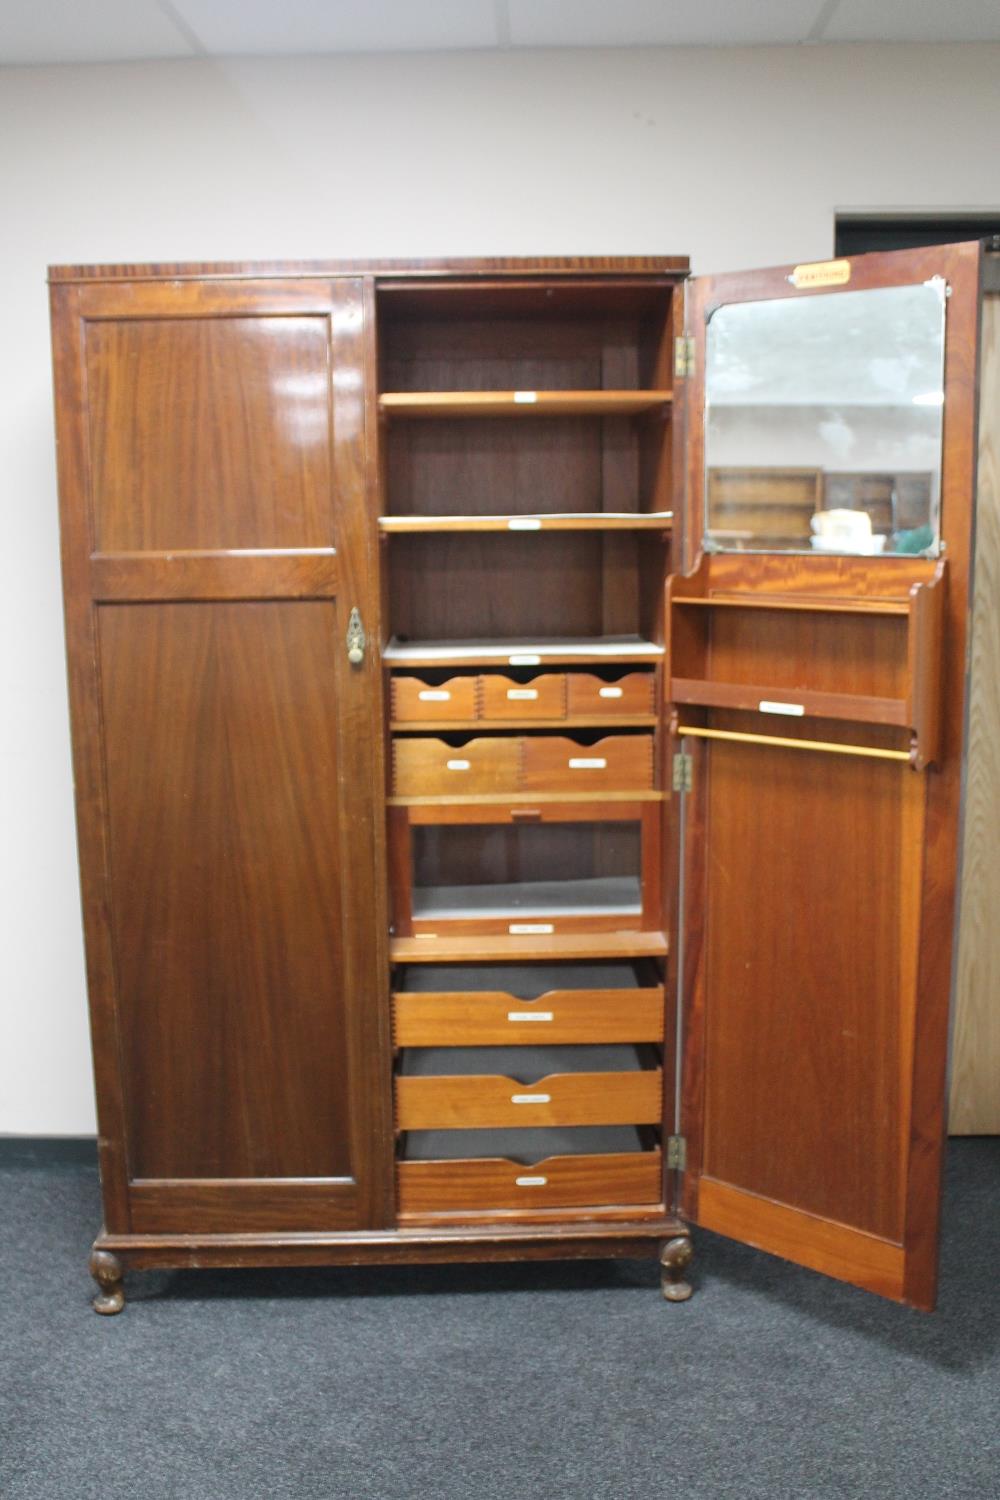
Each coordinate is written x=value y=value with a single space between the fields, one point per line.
x=517 y=717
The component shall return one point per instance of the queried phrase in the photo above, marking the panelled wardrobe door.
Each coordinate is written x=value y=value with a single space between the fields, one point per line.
x=212 y=477
x=816 y=665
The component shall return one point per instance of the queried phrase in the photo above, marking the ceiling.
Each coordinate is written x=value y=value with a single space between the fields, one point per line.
x=86 y=31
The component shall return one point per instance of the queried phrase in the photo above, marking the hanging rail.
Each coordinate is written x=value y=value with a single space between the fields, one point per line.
x=830 y=746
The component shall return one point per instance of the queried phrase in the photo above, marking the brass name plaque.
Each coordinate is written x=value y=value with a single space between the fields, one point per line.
x=822 y=273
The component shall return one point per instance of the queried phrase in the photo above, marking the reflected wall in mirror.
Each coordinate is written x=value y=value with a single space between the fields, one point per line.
x=823 y=422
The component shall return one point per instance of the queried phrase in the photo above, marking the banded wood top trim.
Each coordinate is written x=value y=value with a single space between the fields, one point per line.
x=307 y=573
x=566 y=265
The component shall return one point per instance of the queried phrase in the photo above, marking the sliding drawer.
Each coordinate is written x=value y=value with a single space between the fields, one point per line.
x=544 y=697
x=591 y=697
x=429 y=767
x=477 y=1171
x=417 y=701
x=467 y=1088
x=498 y=1005
x=621 y=763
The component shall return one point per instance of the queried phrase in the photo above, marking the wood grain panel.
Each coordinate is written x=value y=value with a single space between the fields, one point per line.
x=222 y=776
x=802 y=1062
x=231 y=1206
x=975 y=1065
x=209 y=432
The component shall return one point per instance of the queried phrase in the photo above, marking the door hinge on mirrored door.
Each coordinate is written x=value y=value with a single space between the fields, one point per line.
x=683 y=778
x=683 y=356
x=676 y=1153
x=356 y=639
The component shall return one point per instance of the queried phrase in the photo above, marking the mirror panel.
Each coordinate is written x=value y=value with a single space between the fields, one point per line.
x=823 y=422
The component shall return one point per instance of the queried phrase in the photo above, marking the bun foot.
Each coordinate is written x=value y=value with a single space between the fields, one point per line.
x=106 y=1270
x=675 y=1257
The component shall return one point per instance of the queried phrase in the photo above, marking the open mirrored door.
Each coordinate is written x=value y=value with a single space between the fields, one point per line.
x=816 y=662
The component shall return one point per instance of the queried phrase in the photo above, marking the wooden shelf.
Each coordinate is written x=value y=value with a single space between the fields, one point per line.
x=802 y=604
x=525 y=652
x=528 y=799
x=501 y=948
x=564 y=521
x=856 y=707
x=521 y=403
x=579 y=721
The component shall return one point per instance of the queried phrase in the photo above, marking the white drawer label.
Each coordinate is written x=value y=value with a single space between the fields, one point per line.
x=526 y=398
x=459 y=765
x=524 y=523
x=524 y=660
x=434 y=695
x=524 y=929
x=587 y=763
x=530 y=1181
x=522 y=695
x=609 y=692
x=793 y=710
x=531 y=1015
x=531 y=1098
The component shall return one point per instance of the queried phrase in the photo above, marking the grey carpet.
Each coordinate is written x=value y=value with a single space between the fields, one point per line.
x=511 y=1381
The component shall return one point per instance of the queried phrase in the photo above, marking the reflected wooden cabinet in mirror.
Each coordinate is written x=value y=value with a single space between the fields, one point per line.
x=451 y=889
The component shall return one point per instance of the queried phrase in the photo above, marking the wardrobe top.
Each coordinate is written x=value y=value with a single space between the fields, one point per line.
x=559 y=265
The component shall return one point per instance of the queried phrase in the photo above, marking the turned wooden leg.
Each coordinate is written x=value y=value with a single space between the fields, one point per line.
x=675 y=1257
x=106 y=1270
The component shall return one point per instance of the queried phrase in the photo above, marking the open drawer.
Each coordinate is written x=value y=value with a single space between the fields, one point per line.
x=425 y=767
x=450 y=1088
x=442 y=1171
x=526 y=870
x=496 y=1005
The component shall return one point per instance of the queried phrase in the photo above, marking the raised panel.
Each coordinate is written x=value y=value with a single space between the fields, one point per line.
x=209 y=432
x=226 y=883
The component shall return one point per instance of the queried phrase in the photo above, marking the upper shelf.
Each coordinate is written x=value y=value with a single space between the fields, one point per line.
x=521 y=403
x=527 y=652
x=617 y=520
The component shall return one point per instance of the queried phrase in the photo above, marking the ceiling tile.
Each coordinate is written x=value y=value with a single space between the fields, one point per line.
x=914 y=21
x=245 y=27
x=50 y=31
x=651 y=23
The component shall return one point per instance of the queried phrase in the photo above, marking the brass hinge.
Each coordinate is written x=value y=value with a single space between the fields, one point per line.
x=683 y=772
x=683 y=356
x=676 y=1153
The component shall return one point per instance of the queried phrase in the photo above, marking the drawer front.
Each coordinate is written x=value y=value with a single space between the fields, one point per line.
x=542 y=698
x=591 y=696
x=617 y=763
x=456 y=1103
x=424 y=768
x=416 y=701
x=495 y=1019
x=426 y=1187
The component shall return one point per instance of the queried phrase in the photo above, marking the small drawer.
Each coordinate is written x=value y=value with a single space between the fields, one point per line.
x=451 y=1005
x=428 y=768
x=421 y=702
x=544 y=697
x=591 y=697
x=617 y=763
x=476 y=1171
x=452 y=1089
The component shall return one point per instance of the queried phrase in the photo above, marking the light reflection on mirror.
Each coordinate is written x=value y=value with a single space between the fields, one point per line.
x=823 y=422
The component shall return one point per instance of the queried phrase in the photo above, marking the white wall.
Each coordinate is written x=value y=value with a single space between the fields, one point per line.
x=737 y=158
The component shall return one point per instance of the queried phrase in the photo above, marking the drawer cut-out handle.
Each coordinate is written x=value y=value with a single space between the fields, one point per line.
x=531 y=1098
x=459 y=765
x=531 y=1015
x=587 y=763
x=434 y=695
x=531 y=1181
x=609 y=692
x=522 y=695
